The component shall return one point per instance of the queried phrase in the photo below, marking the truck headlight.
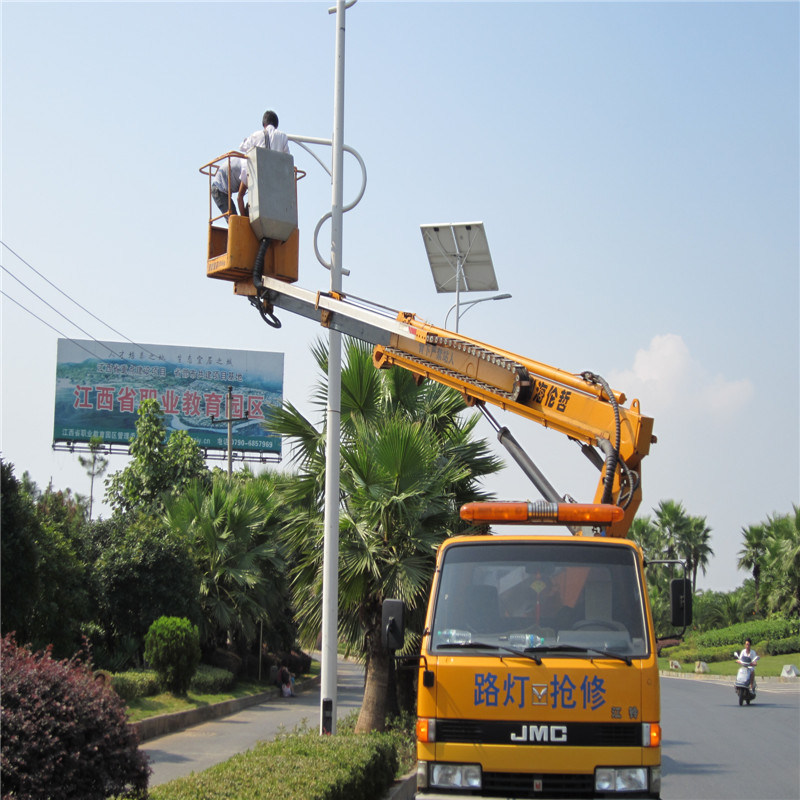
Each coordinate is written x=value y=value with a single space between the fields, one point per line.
x=455 y=776
x=620 y=779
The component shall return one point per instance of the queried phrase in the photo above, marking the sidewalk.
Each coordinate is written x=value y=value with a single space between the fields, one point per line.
x=162 y=724
x=195 y=748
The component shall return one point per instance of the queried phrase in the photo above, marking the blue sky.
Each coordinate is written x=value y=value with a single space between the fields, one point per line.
x=635 y=166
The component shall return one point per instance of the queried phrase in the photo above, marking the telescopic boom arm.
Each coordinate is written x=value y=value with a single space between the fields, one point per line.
x=581 y=406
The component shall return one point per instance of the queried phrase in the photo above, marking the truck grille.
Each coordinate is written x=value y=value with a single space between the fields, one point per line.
x=512 y=784
x=578 y=734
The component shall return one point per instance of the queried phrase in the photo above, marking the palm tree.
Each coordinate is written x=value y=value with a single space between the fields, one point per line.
x=408 y=461
x=673 y=523
x=694 y=547
x=782 y=562
x=230 y=529
x=648 y=536
x=751 y=556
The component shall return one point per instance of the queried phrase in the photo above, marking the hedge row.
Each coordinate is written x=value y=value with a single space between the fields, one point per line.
x=689 y=654
x=300 y=766
x=761 y=630
x=144 y=682
x=779 y=647
x=692 y=652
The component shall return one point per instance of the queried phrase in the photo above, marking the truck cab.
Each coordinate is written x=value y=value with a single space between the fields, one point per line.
x=538 y=671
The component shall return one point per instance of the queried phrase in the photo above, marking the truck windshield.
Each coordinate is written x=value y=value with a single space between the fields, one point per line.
x=569 y=597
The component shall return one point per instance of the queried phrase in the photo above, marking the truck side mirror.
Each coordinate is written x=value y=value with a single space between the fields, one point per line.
x=392 y=625
x=680 y=600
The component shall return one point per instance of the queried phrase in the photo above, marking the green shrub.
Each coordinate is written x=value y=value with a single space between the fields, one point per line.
x=135 y=683
x=172 y=649
x=65 y=735
x=304 y=766
x=779 y=647
x=212 y=680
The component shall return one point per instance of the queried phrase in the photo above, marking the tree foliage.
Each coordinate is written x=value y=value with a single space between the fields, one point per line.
x=142 y=572
x=46 y=580
x=770 y=552
x=779 y=565
x=722 y=609
x=230 y=530
x=19 y=533
x=159 y=467
x=673 y=534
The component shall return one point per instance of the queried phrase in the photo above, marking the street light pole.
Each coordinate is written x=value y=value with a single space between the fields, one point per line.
x=330 y=558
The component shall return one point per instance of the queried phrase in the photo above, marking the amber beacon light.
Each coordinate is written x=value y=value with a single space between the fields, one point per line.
x=542 y=513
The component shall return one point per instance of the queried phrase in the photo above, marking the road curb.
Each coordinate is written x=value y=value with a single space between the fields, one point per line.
x=162 y=724
x=403 y=788
x=696 y=676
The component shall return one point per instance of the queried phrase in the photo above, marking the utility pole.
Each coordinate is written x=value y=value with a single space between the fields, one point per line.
x=230 y=420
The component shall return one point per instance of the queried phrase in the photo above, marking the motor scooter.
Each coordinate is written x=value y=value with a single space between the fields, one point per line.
x=745 y=685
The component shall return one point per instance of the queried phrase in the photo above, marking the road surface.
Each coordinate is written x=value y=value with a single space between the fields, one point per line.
x=713 y=749
x=716 y=750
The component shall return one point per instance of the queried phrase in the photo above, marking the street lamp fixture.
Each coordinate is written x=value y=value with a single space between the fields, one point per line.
x=467 y=306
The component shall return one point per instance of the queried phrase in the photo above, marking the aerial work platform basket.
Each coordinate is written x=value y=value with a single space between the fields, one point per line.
x=272 y=189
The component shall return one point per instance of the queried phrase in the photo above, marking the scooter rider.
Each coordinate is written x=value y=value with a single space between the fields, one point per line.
x=748 y=658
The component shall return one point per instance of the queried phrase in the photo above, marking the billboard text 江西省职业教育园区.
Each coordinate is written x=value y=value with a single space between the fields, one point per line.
x=99 y=386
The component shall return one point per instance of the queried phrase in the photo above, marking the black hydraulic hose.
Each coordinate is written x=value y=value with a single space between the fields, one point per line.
x=258 y=264
x=260 y=302
x=613 y=457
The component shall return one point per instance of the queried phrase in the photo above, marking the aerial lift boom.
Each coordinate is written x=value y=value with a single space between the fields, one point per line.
x=582 y=406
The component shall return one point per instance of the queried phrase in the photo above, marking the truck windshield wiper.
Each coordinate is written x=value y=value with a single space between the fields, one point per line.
x=573 y=648
x=526 y=653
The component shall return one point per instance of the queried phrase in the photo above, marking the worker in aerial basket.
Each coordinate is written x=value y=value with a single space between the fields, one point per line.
x=269 y=137
x=226 y=183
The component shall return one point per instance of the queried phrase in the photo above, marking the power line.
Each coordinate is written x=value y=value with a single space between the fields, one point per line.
x=72 y=300
x=24 y=308
x=53 y=308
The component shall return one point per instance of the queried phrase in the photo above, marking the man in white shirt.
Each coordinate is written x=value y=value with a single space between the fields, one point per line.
x=269 y=137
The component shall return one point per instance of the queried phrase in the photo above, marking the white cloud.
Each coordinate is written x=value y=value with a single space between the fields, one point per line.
x=666 y=378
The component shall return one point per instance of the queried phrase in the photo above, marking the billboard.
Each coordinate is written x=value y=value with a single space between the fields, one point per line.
x=99 y=386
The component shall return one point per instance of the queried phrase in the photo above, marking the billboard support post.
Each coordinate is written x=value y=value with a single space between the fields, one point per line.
x=230 y=420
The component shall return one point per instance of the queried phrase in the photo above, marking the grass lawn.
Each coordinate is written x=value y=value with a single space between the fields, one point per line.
x=768 y=666
x=166 y=703
x=144 y=707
